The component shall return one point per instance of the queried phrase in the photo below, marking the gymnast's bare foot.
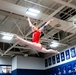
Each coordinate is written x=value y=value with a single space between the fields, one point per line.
x=16 y=36
x=57 y=52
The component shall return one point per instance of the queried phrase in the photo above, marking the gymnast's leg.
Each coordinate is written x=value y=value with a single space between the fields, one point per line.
x=44 y=50
x=36 y=46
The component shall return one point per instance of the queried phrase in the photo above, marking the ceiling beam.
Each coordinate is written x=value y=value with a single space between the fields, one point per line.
x=25 y=48
x=5 y=13
x=17 y=26
x=17 y=1
x=6 y=17
x=1 y=52
x=39 y=4
x=20 y=10
x=65 y=3
x=10 y=48
x=13 y=8
x=67 y=37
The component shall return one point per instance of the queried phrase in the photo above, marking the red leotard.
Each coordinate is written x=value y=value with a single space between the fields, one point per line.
x=36 y=36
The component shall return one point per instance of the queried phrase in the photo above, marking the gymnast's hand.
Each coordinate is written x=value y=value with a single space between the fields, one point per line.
x=47 y=23
x=51 y=20
x=28 y=18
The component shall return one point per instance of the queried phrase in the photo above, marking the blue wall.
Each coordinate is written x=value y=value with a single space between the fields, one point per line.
x=28 y=72
x=64 y=69
x=14 y=72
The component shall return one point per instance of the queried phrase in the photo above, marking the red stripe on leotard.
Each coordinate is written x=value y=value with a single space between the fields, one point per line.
x=36 y=36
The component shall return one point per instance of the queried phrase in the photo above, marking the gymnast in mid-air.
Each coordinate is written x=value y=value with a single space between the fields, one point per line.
x=35 y=44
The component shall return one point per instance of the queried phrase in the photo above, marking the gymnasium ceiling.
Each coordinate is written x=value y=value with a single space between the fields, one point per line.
x=13 y=20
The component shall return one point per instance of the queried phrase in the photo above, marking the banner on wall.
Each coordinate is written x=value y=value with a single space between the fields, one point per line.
x=53 y=60
x=62 y=56
x=73 y=52
x=67 y=53
x=46 y=62
x=49 y=61
x=57 y=58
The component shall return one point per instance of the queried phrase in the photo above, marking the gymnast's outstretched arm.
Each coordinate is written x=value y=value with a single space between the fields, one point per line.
x=31 y=25
x=46 y=24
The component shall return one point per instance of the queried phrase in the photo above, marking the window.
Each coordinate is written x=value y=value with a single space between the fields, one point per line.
x=5 y=69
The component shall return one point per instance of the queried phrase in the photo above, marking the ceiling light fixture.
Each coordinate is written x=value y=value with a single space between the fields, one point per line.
x=54 y=44
x=6 y=34
x=7 y=37
x=32 y=12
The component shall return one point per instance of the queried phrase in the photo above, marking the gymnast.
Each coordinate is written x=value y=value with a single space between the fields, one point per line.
x=35 y=44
